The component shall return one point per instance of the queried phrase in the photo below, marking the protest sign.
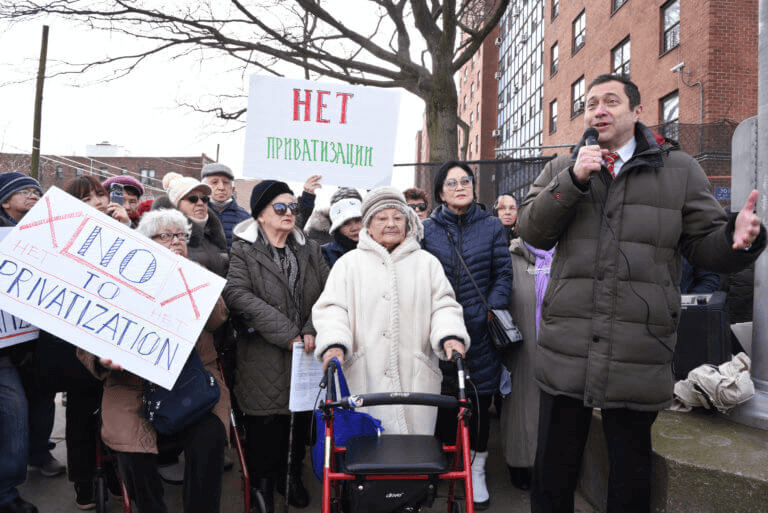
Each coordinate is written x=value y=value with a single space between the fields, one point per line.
x=79 y=274
x=12 y=329
x=298 y=128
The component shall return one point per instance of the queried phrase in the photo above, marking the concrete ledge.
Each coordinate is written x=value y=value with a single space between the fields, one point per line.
x=702 y=463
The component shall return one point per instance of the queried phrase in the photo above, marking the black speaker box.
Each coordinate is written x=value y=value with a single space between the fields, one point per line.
x=703 y=335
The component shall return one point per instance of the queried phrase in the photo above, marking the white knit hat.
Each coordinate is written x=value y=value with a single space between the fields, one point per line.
x=179 y=186
x=344 y=210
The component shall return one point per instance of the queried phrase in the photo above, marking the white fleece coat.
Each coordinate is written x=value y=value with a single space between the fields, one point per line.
x=390 y=311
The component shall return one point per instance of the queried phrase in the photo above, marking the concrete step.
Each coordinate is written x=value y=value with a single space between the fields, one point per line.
x=703 y=462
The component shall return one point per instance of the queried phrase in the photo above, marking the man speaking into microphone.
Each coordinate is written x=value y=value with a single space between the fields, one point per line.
x=621 y=209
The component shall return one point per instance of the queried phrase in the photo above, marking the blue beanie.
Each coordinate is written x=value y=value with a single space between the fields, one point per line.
x=14 y=182
x=264 y=192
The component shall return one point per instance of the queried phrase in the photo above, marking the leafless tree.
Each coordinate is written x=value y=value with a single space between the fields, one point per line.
x=418 y=45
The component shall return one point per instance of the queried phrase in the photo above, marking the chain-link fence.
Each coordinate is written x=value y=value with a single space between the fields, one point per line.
x=492 y=177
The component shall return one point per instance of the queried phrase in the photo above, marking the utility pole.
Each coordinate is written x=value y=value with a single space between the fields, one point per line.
x=35 y=159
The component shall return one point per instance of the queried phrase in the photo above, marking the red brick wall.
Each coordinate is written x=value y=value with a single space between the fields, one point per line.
x=718 y=43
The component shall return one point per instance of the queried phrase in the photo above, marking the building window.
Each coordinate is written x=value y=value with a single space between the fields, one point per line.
x=670 y=16
x=555 y=59
x=477 y=144
x=147 y=176
x=617 y=4
x=471 y=115
x=555 y=8
x=577 y=95
x=59 y=172
x=553 y=116
x=670 y=115
x=124 y=170
x=465 y=102
x=620 y=58
x=579 y=31
x=79 y=171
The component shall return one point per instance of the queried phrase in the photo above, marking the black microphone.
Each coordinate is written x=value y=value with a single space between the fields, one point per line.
x=590 y=136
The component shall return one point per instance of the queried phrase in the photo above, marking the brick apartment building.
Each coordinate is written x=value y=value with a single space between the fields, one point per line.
x=476 y=85
x=550 y=50
x=694 y=61
x=59 y=170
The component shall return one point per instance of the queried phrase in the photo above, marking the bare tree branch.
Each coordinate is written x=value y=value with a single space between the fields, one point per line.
x=374 y=49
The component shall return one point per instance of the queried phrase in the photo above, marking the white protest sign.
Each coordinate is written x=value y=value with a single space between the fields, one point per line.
x=81 y=275
x=12 y=329
x=298 y=128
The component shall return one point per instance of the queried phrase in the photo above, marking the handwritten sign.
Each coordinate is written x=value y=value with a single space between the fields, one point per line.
x=12 y=329
x=297 y=128
x=101 y=286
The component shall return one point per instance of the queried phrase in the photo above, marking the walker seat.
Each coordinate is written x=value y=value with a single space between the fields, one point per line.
x=395 y=454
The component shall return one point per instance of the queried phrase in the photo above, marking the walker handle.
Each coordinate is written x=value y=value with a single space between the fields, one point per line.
x=456 y=357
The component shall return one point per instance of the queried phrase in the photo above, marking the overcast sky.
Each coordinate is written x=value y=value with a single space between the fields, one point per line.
x=140 y=112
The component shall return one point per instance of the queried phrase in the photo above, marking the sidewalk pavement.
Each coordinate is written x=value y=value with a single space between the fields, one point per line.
x=56 y=494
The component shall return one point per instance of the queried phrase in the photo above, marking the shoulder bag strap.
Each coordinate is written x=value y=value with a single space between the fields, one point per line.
x=464 y=264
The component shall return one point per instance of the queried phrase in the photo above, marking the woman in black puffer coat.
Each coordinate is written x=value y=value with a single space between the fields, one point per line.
x=460 y=222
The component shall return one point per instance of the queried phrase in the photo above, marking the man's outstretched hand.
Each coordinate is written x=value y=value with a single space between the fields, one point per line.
x=747 y=226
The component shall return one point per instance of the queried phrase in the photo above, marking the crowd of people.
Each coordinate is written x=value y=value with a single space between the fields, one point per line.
x=591 y=266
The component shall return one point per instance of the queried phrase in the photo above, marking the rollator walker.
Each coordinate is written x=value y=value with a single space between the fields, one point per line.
x=388 y=473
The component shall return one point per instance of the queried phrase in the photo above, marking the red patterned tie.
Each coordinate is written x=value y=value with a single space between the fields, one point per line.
x=610 y=160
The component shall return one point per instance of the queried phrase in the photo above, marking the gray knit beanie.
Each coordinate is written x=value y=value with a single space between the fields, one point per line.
x=389 y=197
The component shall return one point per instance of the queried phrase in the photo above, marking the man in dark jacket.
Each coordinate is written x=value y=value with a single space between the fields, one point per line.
x=221 y=180
x=621 y=212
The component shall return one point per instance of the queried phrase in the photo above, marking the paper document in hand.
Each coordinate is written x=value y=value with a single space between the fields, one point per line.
x=306 y=375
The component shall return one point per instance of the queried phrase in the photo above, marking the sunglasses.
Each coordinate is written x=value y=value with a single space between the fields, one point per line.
x=419 y=207
x=452 y=185
x=194 y=198
x=281 y=209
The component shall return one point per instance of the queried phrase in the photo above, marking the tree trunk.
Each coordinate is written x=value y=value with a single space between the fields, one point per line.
x=442 y=116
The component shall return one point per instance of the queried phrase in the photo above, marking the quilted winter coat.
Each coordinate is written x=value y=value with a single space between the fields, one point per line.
x=483 y=246
x=612 y=306
x=258 y=295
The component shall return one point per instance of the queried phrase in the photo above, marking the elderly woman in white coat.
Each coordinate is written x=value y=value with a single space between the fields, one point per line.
x=389 y=313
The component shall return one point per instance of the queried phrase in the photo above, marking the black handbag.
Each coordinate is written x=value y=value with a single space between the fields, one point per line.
x=194 y=394
x=502 y=329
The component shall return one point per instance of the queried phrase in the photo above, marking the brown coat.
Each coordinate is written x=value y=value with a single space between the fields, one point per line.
x=124 y=427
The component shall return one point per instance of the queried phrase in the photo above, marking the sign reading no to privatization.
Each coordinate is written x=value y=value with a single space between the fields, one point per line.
x=93 y=281
x=298 y=128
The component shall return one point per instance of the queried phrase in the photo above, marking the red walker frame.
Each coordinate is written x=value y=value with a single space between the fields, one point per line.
x=461 y=467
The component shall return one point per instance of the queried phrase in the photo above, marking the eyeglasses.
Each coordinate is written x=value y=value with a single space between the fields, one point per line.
x=281 y=209
x=168 y=237
x=194 y=199
x=419 y=207
x=451 y=184
x=29 y=192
